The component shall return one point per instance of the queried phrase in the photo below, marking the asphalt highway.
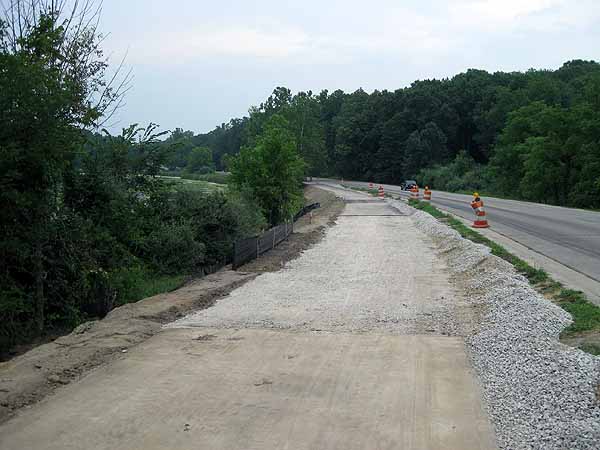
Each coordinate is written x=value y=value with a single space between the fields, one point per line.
x=568 y=236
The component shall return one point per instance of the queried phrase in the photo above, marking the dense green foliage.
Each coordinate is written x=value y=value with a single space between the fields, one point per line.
x=271 y=171
x=87 y=223
x=533 y=135
x=199 y=161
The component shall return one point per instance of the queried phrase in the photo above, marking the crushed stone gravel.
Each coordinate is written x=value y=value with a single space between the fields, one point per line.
x=373 y=271
x=540 y=394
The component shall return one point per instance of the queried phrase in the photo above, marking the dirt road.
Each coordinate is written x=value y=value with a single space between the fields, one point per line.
x=355 y=345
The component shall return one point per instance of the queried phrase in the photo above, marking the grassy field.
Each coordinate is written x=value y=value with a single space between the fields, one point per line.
x=185 y=184
x=135 y=283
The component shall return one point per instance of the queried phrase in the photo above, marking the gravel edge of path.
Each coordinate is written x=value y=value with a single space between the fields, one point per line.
x=539 y=393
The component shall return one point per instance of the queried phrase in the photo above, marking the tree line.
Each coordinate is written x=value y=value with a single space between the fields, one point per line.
x=532 y=135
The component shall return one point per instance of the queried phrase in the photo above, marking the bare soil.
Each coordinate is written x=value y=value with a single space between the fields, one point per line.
x=28 y=378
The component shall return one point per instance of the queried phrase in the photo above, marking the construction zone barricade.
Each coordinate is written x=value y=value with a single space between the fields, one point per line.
x=480 y=217
x=414 y=192
x=427 y=194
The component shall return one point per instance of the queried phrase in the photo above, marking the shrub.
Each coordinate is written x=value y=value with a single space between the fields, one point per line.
x=172 y=248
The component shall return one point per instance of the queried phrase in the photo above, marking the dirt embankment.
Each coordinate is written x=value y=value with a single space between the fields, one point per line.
x=30 y=377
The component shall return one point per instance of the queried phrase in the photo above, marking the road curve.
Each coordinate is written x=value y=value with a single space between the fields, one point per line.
x=568 y=236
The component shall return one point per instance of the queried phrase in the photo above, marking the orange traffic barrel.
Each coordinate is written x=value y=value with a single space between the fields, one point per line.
x=426 y=193
x=480 y=218
x=414 y=192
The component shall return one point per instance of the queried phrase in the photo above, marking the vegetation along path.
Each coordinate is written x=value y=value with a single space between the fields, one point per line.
x=356 y=344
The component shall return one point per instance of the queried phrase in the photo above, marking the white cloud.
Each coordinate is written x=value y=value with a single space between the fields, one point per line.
x=418 y=33
x=508 y=10
x=524 y=15
x=185 y=46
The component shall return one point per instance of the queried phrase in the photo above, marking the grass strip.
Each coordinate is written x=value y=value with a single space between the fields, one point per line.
x=586 y=315
x=535 y=276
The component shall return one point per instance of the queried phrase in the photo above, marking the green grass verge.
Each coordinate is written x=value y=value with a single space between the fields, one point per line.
x=594 y=349
x=214 y=177
x=586 y=315
x=184 y=184
x=373 y=192
x=534 y=275
x=136 y=283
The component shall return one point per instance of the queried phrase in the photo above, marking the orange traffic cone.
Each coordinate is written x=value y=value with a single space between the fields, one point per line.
x=381 y=192
x=480 y=219
x=370 y=186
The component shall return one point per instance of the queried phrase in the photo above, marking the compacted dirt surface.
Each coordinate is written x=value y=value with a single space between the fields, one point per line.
x=356 y=344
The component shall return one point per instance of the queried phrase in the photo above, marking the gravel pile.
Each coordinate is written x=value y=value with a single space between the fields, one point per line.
x=540 y=394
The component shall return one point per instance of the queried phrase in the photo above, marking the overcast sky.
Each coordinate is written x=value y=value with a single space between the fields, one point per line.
x=198 y=63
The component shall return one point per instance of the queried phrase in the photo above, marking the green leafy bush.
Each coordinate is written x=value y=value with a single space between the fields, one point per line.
x=462 y=174
x=172 y=248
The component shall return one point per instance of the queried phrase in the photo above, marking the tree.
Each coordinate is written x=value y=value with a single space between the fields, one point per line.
x=200 y=160
x=272 y=170
x=424 y=148
x=304 y=114
x=517 y=130
x=183 y=142
x=52 y=87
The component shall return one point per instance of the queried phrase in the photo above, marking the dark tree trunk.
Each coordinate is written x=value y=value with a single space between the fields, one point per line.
x=39 y=301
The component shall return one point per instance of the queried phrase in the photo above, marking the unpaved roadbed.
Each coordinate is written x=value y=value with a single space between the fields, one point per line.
x=364 y=383
x=265 y=389
x=368 y=274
